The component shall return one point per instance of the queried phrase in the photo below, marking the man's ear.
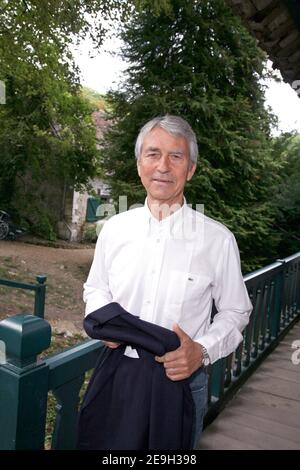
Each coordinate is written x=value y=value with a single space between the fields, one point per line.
x=191 y=170
x=138 y=167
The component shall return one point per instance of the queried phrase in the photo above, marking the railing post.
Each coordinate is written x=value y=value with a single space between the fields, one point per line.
x=40 y=294
x=278 y=301
x=217 y=379
x=298 y=289
x=23 y=382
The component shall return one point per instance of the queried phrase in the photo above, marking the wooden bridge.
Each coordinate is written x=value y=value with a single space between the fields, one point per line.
x=265 y=413
x=254 y=394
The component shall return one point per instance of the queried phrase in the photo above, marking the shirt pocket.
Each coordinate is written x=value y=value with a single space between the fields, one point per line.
x=185 y=288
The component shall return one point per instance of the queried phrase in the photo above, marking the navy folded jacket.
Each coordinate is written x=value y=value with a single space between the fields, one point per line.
x=130 y=403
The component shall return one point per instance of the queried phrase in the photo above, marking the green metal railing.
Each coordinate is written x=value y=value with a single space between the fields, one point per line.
x=275 y=295
x=39 y=290
x=25 y=381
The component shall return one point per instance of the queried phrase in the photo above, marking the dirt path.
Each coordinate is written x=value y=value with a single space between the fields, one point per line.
x=66 y=271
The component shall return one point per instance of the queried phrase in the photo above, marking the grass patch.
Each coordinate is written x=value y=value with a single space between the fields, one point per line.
x=4 y=272
x=81 y=272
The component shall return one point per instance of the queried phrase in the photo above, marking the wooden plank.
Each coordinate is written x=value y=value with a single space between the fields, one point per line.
x=284 y=349
x=277 y=411
x=256 y=28
x=268 y=399
x=282 y=363
x=287 y=344
x=271 y=371
x=289 y=74
x=294 y=58
x=274 y=386
x=295 y=329
x=277 y=17
x=289 y=39
x=253 y=437
x=294 y=332
x=247 y=9
x=262 y=424
x=213 y=440
x=283 y=352
x=244 y=7
x=270 y=45
x=281 y=30
x=288 y=50
x=261 y=4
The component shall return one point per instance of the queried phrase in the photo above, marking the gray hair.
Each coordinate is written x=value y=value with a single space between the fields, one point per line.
x=174 y=125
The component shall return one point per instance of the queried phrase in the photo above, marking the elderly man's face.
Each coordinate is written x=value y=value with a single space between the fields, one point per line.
x=164 y=166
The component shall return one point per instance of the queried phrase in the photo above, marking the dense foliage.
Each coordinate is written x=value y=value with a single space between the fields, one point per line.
x=287 y=193
x=46 y=130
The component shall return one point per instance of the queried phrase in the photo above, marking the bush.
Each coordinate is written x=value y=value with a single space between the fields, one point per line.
x=44 y=227
x=90 y=233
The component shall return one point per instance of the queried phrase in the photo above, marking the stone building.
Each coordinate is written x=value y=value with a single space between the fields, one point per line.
x=79 y=208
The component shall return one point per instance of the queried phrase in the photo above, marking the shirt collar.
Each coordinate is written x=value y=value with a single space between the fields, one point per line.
x=168 y=222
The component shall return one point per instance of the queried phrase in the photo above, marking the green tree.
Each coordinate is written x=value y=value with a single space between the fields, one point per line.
x=97 y=100
x=198 y=61
x=46 y=130
x=287 y=193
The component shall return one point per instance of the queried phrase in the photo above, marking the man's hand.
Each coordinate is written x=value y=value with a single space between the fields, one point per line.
x=111 y=344
x=181 y=363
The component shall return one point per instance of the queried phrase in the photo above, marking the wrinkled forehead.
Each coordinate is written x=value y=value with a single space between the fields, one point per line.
x=159 y=139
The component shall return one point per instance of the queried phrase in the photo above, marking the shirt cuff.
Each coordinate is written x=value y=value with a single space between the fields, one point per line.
x=208 y=341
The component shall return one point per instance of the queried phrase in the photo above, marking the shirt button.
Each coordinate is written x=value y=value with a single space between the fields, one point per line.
x=148 y=301
x=157 y=240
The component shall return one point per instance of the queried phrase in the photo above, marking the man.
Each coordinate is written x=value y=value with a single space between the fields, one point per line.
x=166 y=263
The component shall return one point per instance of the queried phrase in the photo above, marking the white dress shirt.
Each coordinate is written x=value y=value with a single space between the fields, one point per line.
x=169 y=272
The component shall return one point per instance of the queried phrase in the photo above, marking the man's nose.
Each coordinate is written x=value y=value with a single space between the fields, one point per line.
x=163 y=164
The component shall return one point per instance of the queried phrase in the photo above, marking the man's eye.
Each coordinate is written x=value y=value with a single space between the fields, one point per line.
x=176 y=156
x=152 y=155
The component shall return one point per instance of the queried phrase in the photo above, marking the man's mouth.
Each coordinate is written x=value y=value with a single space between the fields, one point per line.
x=162 y=181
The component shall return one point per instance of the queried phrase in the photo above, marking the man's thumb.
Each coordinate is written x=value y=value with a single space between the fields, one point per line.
x=180 y=333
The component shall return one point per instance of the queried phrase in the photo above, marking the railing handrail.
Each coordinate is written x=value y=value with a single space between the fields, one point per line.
x=86 y=353
x=39 y=290
x=266 y=269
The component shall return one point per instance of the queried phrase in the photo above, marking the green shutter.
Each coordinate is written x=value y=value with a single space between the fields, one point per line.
x=92 y=205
